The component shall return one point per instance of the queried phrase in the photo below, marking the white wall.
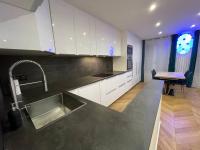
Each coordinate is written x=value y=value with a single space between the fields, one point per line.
x=157 y=53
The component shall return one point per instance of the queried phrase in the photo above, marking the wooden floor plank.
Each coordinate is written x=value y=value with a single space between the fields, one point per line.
x=180 y=116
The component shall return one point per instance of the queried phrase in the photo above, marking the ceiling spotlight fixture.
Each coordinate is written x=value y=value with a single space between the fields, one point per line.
x=152 y=7
x=160 y=32
x=158 y=24
x=192 y=26
x=84 y=33
x=198 y=14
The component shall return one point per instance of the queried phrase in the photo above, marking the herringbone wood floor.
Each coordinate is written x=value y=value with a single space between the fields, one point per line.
x=180 y=116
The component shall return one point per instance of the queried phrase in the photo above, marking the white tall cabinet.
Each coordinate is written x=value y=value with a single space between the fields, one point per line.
x=120 y=63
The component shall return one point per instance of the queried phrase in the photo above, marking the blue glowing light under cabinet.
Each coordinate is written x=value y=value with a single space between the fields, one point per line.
x=111 y=51
x=184 y=44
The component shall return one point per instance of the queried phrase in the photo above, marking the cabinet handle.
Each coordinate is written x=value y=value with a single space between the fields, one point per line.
x=122 y=84
x=110 y=91
x=129 y=81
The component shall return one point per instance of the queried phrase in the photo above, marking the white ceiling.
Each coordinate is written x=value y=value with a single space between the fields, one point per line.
x=8 y=12
x=29 y=5
x=10 y=9
x=133 y=15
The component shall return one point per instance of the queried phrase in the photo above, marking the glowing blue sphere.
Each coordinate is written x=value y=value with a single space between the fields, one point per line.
x=184 y=44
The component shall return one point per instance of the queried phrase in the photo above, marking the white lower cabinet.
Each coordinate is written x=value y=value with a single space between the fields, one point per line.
x=90 y=92
x=74 y=91
x=107 y=91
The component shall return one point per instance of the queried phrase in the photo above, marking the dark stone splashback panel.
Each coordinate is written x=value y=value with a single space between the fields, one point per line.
x=56 y=67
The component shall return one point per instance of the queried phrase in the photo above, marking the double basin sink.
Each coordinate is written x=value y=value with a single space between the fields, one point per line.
x=50 y=109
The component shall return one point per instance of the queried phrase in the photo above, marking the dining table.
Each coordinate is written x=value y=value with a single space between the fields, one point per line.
x=167 y=77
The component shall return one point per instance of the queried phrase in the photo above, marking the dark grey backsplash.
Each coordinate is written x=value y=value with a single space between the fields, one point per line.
x=56 y=67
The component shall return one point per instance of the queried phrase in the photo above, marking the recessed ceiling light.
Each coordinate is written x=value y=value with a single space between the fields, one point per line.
x=192 y=26
x=158 y=24
x=152 y=7
x=198 y=14
x=84 y=33
x=160 y=32
x=4 y=40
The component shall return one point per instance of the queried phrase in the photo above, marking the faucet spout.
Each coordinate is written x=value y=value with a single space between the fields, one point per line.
x=13 y=88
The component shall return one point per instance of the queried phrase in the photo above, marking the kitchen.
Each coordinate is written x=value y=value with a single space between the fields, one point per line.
x=63 y=71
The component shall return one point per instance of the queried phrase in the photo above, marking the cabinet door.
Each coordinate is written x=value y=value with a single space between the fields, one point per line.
x=18 y=29
x=129 y=80
x=43 y=21
x=122 y=84
x=102 y=38
x=108 y=91
x=92 y=36
x=90 y=92
x=63 y=26
x=117 y=43
x=114 y=42
x=82 y=30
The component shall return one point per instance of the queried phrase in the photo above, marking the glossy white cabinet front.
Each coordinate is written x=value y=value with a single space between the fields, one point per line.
x=108 y=39
x=90 y=92
x=58 y=27
x=44 y=27
x=107 y=91
x=27 y=31
x=82 y=31
x=63 y=26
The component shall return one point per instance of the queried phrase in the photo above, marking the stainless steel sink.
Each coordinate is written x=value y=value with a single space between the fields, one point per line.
x=50 y=109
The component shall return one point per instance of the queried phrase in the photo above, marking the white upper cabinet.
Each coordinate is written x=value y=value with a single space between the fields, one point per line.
x=92 y=36
x=44 y=27
x=116 y=42
x=108 y=39
x=82 y=31
x=102 y=38
x=63 y=26
x=57 y=27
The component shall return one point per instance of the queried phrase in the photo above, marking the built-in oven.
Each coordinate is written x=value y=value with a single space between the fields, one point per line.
x=129 y=57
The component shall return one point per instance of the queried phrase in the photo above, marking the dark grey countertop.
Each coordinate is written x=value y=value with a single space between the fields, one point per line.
x=37 y=92
x=95 y=127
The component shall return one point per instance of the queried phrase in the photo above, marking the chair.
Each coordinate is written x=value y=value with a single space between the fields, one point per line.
x=185 y=81
x=153 y=73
